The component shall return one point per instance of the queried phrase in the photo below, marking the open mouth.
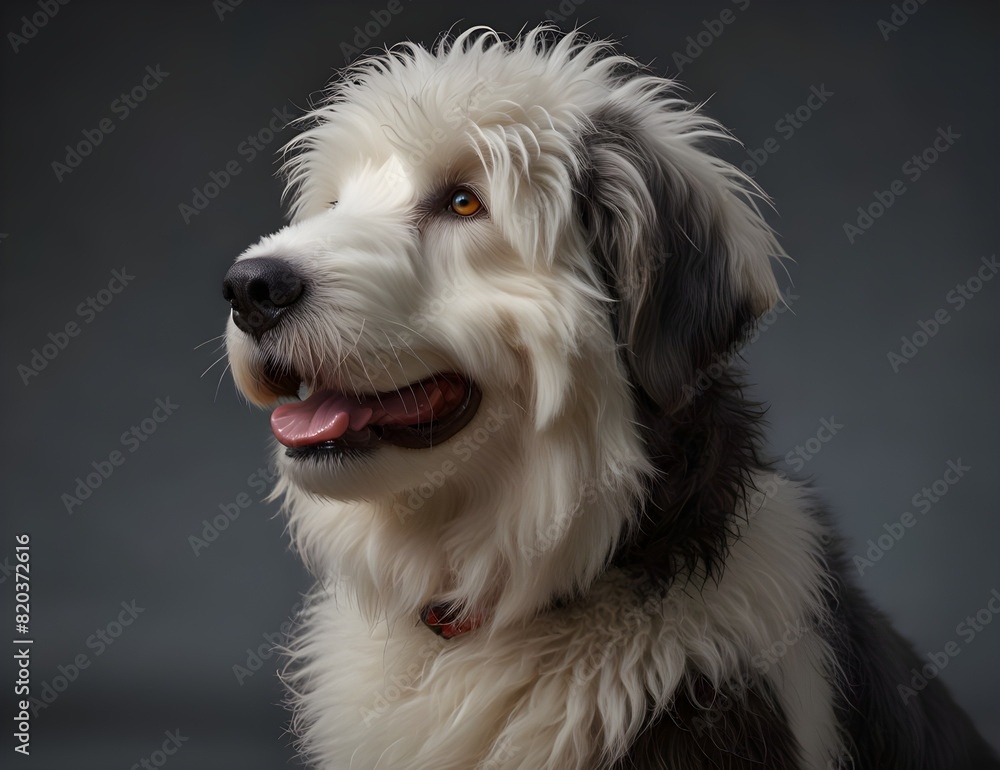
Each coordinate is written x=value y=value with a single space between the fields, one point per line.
x=417 y=416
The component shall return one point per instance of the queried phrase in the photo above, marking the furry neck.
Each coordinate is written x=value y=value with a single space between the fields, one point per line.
x=705 y=455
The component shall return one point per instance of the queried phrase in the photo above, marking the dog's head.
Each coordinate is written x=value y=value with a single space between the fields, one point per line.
x=501 y=254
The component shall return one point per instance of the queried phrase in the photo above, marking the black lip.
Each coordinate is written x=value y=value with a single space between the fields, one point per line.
x=424 y=436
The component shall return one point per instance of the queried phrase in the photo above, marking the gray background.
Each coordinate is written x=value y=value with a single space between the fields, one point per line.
x=173 y=667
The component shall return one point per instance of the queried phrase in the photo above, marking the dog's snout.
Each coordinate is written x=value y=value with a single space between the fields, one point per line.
x=260 y=291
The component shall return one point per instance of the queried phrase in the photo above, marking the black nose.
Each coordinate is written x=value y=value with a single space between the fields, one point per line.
x=261 y=290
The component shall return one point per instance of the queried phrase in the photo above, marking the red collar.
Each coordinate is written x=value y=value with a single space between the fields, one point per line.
x=444 y=620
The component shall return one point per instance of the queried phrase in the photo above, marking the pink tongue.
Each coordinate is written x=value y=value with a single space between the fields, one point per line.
x=327 y=415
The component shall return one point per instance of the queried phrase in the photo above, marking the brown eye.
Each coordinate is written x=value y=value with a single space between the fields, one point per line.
x=464 y=202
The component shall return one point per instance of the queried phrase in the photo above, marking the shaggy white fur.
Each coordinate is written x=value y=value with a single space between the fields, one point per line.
x=570 y=690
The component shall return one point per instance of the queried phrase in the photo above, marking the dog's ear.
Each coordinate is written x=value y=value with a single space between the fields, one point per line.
x=680 y=243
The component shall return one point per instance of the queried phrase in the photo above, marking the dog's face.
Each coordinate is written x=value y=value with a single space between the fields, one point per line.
x=496 y=252
x=377 y=312
x=404 y=297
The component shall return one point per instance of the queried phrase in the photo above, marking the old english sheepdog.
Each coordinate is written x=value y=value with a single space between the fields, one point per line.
x=516 y=454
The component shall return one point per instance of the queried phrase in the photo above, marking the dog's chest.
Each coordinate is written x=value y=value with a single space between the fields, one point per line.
x=580 y=683
x=537 y=697
x=554 y=694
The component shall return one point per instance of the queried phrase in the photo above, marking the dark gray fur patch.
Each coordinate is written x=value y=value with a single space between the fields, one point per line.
x=676 y=314
x=738 y=726
x=679 y=311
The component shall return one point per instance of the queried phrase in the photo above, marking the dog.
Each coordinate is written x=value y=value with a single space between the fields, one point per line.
x=514 y=449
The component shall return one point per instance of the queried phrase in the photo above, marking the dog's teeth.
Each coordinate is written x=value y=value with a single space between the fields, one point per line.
x=304 y=391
